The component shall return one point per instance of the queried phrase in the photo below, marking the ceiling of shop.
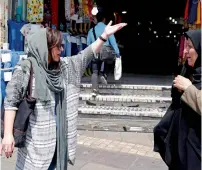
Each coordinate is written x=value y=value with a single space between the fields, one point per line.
x=145 y=8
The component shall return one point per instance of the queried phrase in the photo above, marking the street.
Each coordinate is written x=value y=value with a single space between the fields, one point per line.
x=110 y=151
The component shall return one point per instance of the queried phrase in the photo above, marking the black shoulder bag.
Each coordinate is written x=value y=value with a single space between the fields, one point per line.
x=107 y=53
x=25 y=108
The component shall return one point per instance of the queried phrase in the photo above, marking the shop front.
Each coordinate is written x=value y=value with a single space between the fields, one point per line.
x=151 y=43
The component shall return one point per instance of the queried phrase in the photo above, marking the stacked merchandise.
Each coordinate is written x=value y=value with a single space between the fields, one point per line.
x=3 y=20
x=9 y=59
x=73 y=44
x=78 y=13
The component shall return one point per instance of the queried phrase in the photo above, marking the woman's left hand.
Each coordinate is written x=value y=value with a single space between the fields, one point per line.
x=111 y=29
x=182 y=83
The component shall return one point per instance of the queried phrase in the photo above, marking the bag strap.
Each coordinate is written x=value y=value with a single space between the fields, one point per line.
x=94 y=33
x=29 y=91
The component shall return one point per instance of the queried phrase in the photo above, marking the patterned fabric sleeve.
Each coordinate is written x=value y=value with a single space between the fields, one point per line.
x=16 y=88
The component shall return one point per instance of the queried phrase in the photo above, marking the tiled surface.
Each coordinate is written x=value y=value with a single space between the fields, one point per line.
x=117 y=146
x=109 y=153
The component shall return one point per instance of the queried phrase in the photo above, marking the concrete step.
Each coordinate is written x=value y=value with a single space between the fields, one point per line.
x=125 y=104
x=122 y=111
x=129 y=86
x=163 y=93
x=125 y=98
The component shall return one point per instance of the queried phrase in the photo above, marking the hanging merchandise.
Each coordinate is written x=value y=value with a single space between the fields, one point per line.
x=35 y=10
x=54 y=8
x=198 y=18
x=76 y=6
x=67 y=9
x=67 y=45
x=3 y=22
x=10 y=8
x=80 y=18
x=19 y=11
x=86 y=18
x=15 y=38
x=75 y=47
x=47 y=13
x=62 y=19
x=73 y=44
x=24 y=10
x=193 y=11
x=186 y=13
x=192 y=14
x=9 y=59
x=90 y=7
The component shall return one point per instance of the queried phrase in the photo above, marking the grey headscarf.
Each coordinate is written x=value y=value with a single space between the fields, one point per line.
x=46 y=80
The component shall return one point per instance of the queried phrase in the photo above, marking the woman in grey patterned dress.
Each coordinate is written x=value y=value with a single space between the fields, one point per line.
x=56 y=85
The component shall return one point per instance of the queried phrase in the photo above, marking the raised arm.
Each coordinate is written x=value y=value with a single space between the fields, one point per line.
x=82 y=60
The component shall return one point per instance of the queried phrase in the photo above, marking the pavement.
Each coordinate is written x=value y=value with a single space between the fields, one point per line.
x=98 y=150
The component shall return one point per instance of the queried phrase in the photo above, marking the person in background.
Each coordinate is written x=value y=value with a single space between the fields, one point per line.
x=99 y=67
x=52 y=129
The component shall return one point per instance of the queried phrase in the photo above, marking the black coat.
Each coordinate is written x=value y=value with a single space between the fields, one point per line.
x=177 y=137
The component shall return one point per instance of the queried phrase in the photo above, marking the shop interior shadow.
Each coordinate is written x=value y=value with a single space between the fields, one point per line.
x=150 y=41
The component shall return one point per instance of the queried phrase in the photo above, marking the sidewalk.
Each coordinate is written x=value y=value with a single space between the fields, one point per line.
x=110 y=151
x=98 y=159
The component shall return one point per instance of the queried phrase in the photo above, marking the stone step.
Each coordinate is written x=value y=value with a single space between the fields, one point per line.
x=102 y=91
x=122 y=111
x=125 y=104
x=129 y=87
x=125 y=98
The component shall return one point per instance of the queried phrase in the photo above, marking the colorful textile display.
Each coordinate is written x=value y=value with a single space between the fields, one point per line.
x=192 y=14
x=3 y=22
x=15 y=38
x=35 y=10
x=54 y=8
x=47 y=13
